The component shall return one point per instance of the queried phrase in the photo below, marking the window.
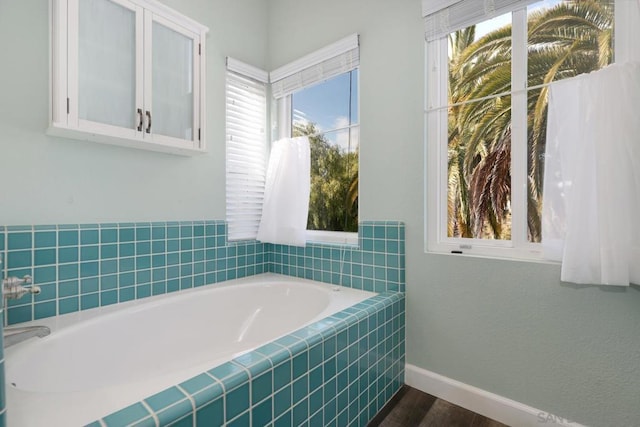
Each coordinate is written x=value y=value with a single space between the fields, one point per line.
x=321 y=101
x=246 y=145
x=487 y=78
x=328 y=114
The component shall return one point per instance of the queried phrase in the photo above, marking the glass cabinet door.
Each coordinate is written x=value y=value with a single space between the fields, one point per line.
x=173 y=83
x=109 y=73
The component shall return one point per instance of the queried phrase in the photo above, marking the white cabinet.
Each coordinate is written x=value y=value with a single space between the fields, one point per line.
x=127 y=72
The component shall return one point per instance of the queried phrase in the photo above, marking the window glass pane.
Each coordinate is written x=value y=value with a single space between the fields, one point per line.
x=565 y=38
x=479 y=131
x=328 y=113
x=107 y=63
x=326 y=105
x=172 y=70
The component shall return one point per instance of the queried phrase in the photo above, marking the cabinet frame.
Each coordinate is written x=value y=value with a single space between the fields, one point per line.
x=64 y=120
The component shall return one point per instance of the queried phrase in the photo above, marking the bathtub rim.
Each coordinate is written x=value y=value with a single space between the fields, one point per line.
x=313 y=331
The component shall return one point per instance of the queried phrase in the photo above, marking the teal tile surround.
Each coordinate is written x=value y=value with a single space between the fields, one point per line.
x=85 y=266
x=339 y=371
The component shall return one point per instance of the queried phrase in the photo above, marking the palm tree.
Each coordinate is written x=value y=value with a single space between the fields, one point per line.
x=568 y=39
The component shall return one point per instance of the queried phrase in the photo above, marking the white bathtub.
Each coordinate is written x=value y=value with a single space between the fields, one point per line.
x=98 y=361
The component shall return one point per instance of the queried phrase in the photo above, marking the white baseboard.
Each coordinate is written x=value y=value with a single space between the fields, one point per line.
x=490 y=405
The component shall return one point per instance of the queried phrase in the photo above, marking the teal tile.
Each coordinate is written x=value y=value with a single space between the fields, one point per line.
x=68 y=238
x=173 y=232
x=127 y=294
x=300 y=413
x=143 y=291
x=48 y=291
x=300 y=388
x=68 y=271
x=262 y=414
x=127 y=249
x=68 y=254
x=159 y=288
x=211 y=414
x=282 y=401
x=68 y=226
x=143 y=277
x=126 y=279
x=45 y=256
x=262 y=386
x=19 y=314
x=285 y=420
x=242 y=421
x=173 y=285
x=300 y=365
x=315 y=378
x=89 y=285
x=254 y=362
x=108 y=282
x=126 y=235
x=173 y=245
x=237 y=401
x=108 y=267
x=143 y=262
x=143 y=248
x=186 y=231
x=89 y=301
x=158 y=232
x=19 y=259
x=185 y=421
x=108 y=251
x=127 y=416
x=108 y=297
x=89 y=269
x=143 y=233
x=282 y=375
x=45 y=239
x=165 y=398
x=109 y=235
x=230 y=375
x=176 y=414
x=315 y=401
x=89 y=253
x=44 y=274
x=89 y=237
x=68 y=288
x=158 y=247
x=197 y=383
x=18 y=241
x=126 y=264
x=68 y=305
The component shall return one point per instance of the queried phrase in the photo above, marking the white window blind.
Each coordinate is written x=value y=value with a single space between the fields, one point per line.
x=337 y=58
x=246 y=146
x=456 y=15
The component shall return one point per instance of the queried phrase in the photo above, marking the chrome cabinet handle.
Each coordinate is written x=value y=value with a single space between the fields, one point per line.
x=141 y=122
x=148 y=113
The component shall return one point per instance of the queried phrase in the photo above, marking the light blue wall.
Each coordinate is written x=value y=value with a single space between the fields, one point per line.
x=507 y=327
x=48 y=180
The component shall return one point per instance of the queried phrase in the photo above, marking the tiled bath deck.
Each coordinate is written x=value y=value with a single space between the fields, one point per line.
x=81 y=267
x=339 y=371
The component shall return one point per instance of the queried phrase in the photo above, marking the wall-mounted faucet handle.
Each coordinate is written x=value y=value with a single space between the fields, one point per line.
x=16 y=281
x=14 y=287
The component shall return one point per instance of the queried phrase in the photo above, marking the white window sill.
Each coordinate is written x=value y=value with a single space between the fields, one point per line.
x=332 y=237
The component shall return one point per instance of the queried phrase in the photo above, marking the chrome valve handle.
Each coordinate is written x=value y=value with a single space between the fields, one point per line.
x=14 y=287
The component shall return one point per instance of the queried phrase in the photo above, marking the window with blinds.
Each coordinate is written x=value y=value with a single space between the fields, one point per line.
x=317 y=96
x=246 y=148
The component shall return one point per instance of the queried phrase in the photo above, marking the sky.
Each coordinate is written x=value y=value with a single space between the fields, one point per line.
x=327 y=105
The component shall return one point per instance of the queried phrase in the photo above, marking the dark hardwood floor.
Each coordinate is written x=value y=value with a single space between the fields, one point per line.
x=413 y=408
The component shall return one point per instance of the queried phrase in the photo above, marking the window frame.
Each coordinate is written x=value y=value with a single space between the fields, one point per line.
x=436 y=141
x=284 y=128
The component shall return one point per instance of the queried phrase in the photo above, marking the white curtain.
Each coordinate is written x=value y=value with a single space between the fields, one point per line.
x=286 y=194
x=591 y=205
